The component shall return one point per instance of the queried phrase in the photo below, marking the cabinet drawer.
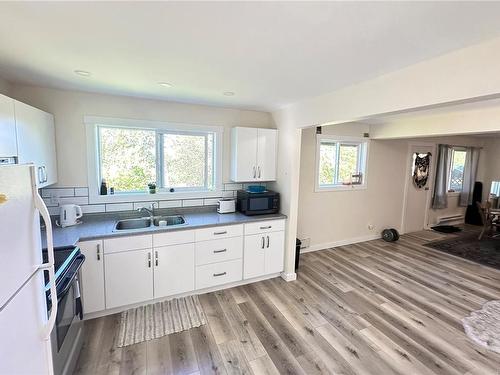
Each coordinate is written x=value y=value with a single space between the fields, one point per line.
x=219 y=273
x=219 y=232
x=173 y=238
x=219 y=250
x=265 y=226
x=115 y=245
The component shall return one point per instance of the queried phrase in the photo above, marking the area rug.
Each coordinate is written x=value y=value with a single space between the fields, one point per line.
x=466 y=245
x=159 y=319
x=483 y=326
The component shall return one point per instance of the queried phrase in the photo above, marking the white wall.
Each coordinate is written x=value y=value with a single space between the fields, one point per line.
x=5 y=87
x=332 y=218
x=69 y=108
x=492 y=168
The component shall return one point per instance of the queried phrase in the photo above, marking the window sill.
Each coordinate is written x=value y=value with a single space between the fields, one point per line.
x=159 y=196
x=341 y=188
x=453 y=193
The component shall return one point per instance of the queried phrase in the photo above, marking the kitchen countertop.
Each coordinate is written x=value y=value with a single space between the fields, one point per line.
x=97 y=226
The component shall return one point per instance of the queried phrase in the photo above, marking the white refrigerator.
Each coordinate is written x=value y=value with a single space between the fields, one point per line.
x=25 y=325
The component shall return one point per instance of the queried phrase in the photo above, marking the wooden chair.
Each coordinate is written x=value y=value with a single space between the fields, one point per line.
x=489 y=219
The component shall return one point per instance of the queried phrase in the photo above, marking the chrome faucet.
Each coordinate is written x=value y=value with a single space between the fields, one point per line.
x=150 y=211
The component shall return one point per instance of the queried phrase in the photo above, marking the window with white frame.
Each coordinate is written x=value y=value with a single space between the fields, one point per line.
x=340 y=163
x=456 y=169
x=178 y=159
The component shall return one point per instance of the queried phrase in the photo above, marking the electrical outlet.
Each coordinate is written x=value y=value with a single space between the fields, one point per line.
x=306 y=242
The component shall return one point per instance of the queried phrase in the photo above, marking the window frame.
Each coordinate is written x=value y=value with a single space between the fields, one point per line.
x=363 y=154
x=92 y=124
x=450 y=165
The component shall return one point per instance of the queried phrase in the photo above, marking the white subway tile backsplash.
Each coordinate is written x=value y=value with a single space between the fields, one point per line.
x=113 y=207
x=232 y=186
x=211 y=201
x=170 y=204
x=58 y=192
x=227 y=194
x=192 y=202
x=74 y=200
x=138 y=205
x=81 y=192
x=93 y=208
x=50 y=203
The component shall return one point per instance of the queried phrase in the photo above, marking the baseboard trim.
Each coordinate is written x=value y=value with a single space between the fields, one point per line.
x=289 y=276
x=348 y=241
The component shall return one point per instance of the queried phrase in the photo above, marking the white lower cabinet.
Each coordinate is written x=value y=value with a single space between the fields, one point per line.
x=92 y=276
x=127 y=270
x=129 y=277
x=174 y=269
x=264 y=254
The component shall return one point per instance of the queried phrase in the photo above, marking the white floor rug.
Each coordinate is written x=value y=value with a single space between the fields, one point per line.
x=156 y=320
x=483 y=326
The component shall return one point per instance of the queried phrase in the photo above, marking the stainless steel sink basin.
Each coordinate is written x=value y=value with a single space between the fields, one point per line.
x=170 y=220
x=131 y=224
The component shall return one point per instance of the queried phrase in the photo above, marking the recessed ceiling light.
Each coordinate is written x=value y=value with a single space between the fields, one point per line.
x=165 y=84
x=229 y=93
x=82 y=73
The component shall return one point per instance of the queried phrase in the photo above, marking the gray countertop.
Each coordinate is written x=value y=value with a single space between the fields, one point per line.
x=96 y=226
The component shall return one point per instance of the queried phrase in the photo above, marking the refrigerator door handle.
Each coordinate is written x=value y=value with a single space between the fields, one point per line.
x=49 y=266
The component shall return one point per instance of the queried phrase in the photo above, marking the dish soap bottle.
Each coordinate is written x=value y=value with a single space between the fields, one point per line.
x=104 y=187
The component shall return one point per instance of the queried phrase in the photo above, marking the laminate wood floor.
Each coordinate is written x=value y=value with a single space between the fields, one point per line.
x=367 y=308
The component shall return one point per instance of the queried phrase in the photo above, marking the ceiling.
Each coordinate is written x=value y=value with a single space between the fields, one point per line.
x=268 y=53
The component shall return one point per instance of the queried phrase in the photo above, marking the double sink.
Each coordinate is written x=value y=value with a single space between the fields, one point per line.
x=149 y=222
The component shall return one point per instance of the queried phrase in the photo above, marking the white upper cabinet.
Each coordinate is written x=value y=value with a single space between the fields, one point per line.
x=8 y=142
x=36 y=141
x=253 y=154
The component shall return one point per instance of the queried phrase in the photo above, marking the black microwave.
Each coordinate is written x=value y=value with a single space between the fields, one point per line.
x=267 y=202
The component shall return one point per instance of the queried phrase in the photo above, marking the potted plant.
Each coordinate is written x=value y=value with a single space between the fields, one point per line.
x=152 y=187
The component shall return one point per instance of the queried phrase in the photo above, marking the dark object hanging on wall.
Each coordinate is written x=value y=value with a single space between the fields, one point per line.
x=421 y=164
x=472 y=215
x=390 y=235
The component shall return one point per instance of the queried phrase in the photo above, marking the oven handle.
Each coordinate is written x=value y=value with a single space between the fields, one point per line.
x=70 y=282
x=49 y=266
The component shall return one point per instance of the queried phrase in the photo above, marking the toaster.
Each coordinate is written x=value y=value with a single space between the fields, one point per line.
x=226 y=206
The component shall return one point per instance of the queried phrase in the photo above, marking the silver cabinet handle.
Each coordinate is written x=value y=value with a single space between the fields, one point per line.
x=40 y=175
x=98 y=251
x=219 y=274
x=263 y=242
x=156 y=258
x=254 y=172
x=44 y=170
x=149 y=260
x=220 y=251
x=268 y=227
x=259 y=171
x=267 y=242
x=218 y=233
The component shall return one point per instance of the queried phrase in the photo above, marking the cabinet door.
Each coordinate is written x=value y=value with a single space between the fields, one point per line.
x=129 y=277
x=266 y=154
x=174 y=269
x=36 y=141
x=254 y=256
x=243 y=154
x=275 y=252
x=8 y=142
x=92 y=276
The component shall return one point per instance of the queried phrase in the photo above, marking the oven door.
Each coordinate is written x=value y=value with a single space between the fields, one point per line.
x=66 y=338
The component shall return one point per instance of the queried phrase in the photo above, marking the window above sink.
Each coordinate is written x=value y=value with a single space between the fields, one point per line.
x=184 y=160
